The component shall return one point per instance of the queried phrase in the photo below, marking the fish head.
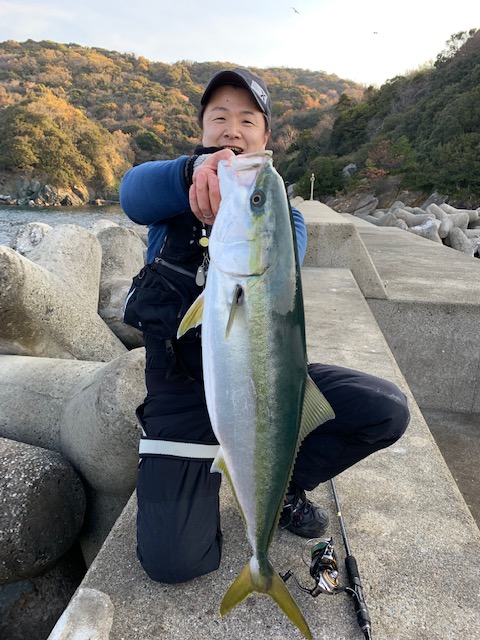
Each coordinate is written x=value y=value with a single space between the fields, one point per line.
x=253 y=202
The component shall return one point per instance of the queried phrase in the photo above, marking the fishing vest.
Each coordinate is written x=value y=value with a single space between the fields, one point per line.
x=182 y=244
x=163 y=290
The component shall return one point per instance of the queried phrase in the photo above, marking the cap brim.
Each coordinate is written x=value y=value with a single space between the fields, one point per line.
x=223 y=78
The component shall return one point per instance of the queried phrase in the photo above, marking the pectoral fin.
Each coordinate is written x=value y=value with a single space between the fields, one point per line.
x=236 y=301
x=193 y=317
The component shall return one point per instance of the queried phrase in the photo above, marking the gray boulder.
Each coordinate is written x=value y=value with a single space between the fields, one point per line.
x=472 y=213
x=349 y=170
x=388 y=220
x=428 y=229
x=122 y=259
x=29 y=236
x=84 y=411
x=449 y=219
x=457 y=239
x=412 y=219
x=89 y=615
x=43 y=509
x=30 y=608
x=45 y=314
x=434 y=198
x=74 y=255
x=366 y=205
x=401 y=224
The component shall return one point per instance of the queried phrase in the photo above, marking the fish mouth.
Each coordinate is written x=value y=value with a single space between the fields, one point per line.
x=247 y=161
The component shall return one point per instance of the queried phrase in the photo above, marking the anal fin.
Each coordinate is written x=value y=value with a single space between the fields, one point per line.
x=220 y=465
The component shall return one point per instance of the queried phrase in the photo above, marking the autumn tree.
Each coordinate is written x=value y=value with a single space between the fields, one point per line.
x=46 y=135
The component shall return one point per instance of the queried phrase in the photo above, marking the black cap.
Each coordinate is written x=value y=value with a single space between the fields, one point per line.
x=240 y=78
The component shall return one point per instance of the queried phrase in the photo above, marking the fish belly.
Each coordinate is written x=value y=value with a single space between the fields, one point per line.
x=254 y=383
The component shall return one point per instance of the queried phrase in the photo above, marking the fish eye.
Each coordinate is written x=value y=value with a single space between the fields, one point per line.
x=257 y=199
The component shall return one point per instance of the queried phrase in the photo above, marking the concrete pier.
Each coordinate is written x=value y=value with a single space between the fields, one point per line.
x=415 y=540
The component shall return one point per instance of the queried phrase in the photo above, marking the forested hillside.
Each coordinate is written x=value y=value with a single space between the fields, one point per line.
x=424 y=126
x=72 y=115
x=77 y=114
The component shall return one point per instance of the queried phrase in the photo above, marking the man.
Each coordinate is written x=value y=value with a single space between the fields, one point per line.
x=178 y=523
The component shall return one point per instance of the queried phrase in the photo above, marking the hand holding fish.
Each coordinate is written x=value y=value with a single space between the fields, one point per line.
x=204 y=194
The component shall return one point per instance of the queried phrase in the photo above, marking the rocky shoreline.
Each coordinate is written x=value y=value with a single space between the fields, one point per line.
x=33 y=192
x=387 y=205
x=54 y=198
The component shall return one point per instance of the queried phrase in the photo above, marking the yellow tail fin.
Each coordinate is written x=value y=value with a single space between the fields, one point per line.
x=244 y=585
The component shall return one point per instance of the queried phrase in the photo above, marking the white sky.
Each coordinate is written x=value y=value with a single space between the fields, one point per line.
x=366 y=41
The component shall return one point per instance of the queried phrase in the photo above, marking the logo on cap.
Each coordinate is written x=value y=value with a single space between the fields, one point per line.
x=257 y=89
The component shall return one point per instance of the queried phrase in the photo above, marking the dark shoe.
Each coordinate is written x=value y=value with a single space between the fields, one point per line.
x=303 y=517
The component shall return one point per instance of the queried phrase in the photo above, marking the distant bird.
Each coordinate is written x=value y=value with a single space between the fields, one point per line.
x=296 y=10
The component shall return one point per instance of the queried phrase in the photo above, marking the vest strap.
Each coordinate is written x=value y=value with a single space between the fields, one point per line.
x=174 y=267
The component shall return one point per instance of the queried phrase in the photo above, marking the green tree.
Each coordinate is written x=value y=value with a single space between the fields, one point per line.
x=328 y=180
x=350 y=128
x=393 y=156
x=148 y=141
x=454 y=167
x=453 y=45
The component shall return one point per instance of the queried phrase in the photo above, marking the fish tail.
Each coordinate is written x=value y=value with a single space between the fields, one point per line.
x=245 y=584
x=287 y=604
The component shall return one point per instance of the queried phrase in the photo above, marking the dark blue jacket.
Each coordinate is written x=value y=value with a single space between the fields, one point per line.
x=152 y=192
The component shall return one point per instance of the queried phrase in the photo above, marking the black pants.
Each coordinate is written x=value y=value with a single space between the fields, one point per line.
x=178 y=522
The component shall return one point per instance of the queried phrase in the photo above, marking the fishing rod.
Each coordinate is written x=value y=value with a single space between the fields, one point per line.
x=324 y=570
x=356 y=589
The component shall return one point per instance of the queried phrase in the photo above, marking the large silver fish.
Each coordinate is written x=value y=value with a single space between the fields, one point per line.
x=260 y=398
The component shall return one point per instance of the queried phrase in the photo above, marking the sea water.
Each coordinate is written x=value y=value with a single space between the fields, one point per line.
x=13 y=218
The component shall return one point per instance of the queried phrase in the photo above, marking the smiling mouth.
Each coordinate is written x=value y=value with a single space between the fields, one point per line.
x=234 y=149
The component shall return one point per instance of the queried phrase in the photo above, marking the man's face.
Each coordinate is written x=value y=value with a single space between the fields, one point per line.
x=233 y=120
